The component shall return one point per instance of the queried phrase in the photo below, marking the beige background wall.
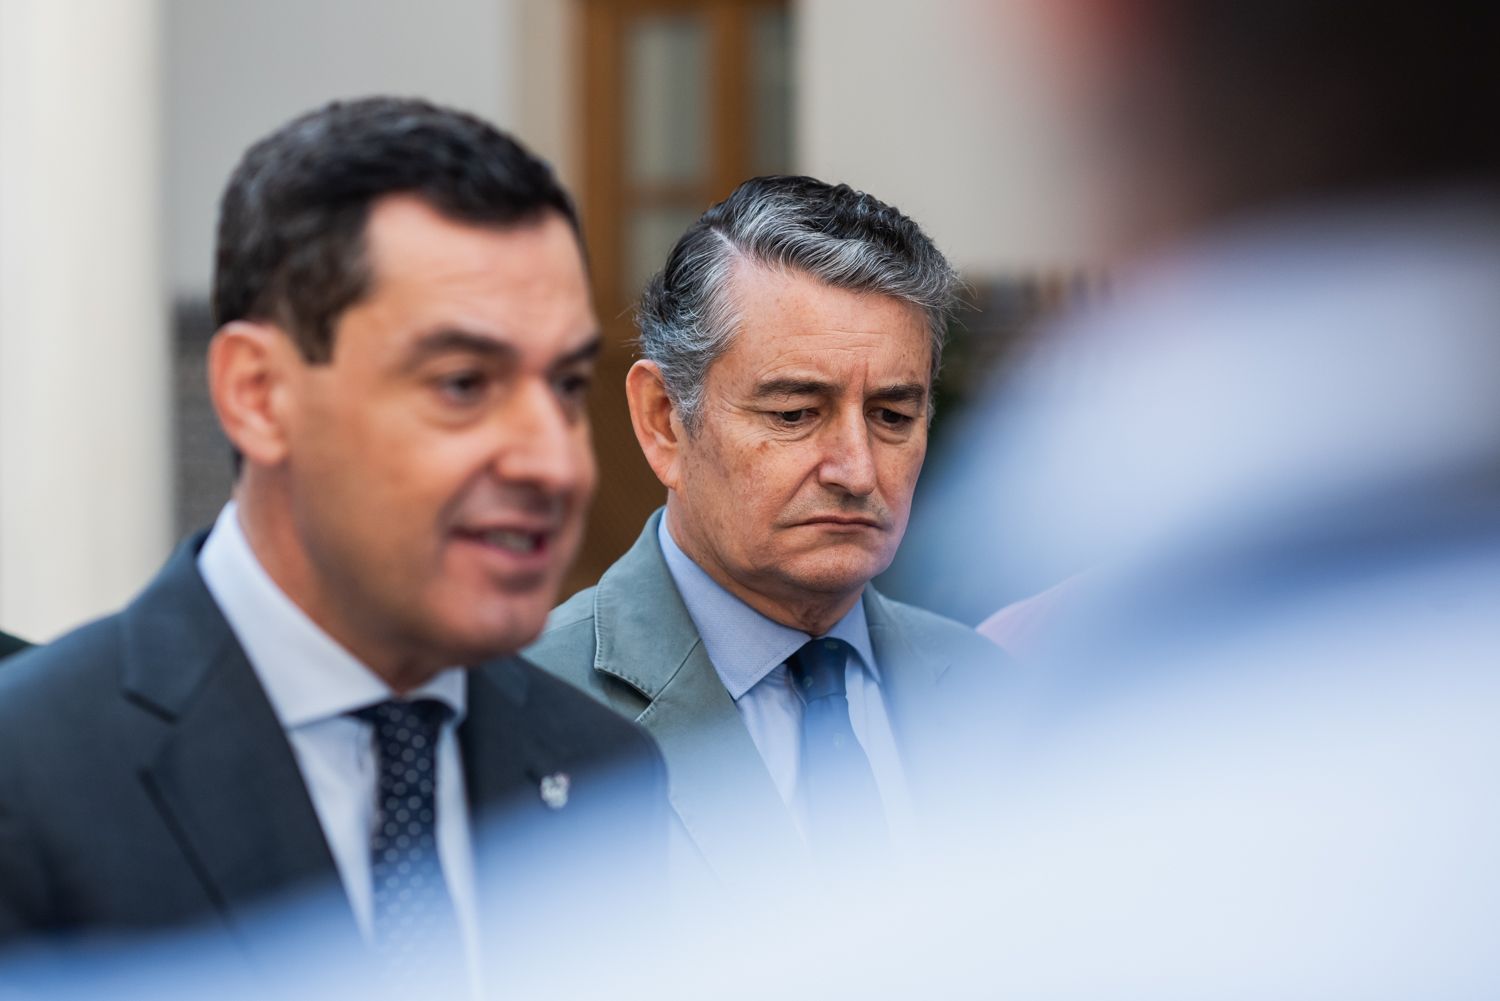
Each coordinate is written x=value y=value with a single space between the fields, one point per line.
x=935 y=107
x=236 y=70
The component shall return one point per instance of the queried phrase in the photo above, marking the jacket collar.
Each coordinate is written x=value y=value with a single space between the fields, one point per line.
x=637 y=610
x=912 y=675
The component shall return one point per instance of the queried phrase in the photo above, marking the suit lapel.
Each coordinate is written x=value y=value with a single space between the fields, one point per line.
x=718 y=784
x=908 y=678
x=502 y=754
x=928 y=717
x=223 y=777
x=536 y=862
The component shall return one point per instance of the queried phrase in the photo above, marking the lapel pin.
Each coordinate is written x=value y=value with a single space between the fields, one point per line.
x=555 y=790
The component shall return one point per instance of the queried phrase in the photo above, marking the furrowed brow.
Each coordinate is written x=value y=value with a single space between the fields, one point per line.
x=903 y=392
x=588 y=352
x=776 y=388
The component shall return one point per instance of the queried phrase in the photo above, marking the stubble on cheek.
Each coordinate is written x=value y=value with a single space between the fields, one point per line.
x=750 y=483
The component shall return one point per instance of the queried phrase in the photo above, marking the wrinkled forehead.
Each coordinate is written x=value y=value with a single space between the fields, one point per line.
x=789 y=325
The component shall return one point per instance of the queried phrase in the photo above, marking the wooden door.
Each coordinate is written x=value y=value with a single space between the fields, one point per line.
x=682 y=100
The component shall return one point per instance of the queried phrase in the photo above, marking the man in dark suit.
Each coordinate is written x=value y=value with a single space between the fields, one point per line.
x=404 y=347
x=11 y=644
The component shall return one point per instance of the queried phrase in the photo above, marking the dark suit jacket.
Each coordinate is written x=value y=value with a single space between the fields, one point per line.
x=11 y=644
x=145 y=782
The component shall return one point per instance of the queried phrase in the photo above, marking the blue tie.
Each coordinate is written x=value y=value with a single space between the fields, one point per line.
x=835 y=783
x=414 y=921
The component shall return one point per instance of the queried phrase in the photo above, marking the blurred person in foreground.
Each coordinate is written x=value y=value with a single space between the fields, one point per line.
x=790 y=346
x=318 y=694
x=1259 y=750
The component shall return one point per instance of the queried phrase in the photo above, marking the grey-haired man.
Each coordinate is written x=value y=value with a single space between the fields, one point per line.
x=790 y=347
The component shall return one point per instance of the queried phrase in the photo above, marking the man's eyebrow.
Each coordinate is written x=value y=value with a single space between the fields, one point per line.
x=452 y=340
x=901 y=392
x=587 y=352
x=794 y=387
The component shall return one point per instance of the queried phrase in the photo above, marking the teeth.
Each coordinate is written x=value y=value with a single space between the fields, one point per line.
x=516 y=542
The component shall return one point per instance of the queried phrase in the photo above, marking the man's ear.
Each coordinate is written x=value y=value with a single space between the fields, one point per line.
x=657 y=427
x=247 y=380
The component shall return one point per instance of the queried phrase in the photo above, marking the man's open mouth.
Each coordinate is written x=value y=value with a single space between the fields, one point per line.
x=513 y=540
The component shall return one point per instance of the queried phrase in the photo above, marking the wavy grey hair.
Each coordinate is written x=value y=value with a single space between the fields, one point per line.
x=842 y=237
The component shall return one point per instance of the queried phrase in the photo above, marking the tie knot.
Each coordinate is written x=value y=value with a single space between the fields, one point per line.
x=818 y=668
x=398 y=720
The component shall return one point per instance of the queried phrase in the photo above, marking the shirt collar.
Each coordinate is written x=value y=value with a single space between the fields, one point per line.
x=743 y=645
x=306 y=674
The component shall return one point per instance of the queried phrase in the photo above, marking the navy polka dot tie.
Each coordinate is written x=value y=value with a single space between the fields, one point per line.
x=414 y=921
x=835 y=784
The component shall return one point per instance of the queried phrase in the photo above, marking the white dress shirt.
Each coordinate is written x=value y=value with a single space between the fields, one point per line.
x=313 y=684
x=749 y=653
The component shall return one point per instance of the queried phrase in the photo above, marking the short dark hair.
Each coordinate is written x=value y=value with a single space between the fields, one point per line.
x=831 y=232
x=291 y=245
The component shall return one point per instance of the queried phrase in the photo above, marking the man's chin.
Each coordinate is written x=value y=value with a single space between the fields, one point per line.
x=479 y=642
x=840 y=563
x=834 y=581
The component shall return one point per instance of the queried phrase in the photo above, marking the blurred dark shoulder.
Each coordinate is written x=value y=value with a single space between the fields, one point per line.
x=11 y=644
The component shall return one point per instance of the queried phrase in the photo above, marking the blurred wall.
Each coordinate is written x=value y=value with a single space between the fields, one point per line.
x=547 y=83
x=939 y=107
x=236 y=70
x=84 y=464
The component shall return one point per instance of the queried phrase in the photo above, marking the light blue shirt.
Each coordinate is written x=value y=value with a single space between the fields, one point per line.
x=749 y=653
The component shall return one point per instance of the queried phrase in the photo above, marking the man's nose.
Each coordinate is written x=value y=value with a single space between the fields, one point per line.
x=542 y=443
x=848 y=461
